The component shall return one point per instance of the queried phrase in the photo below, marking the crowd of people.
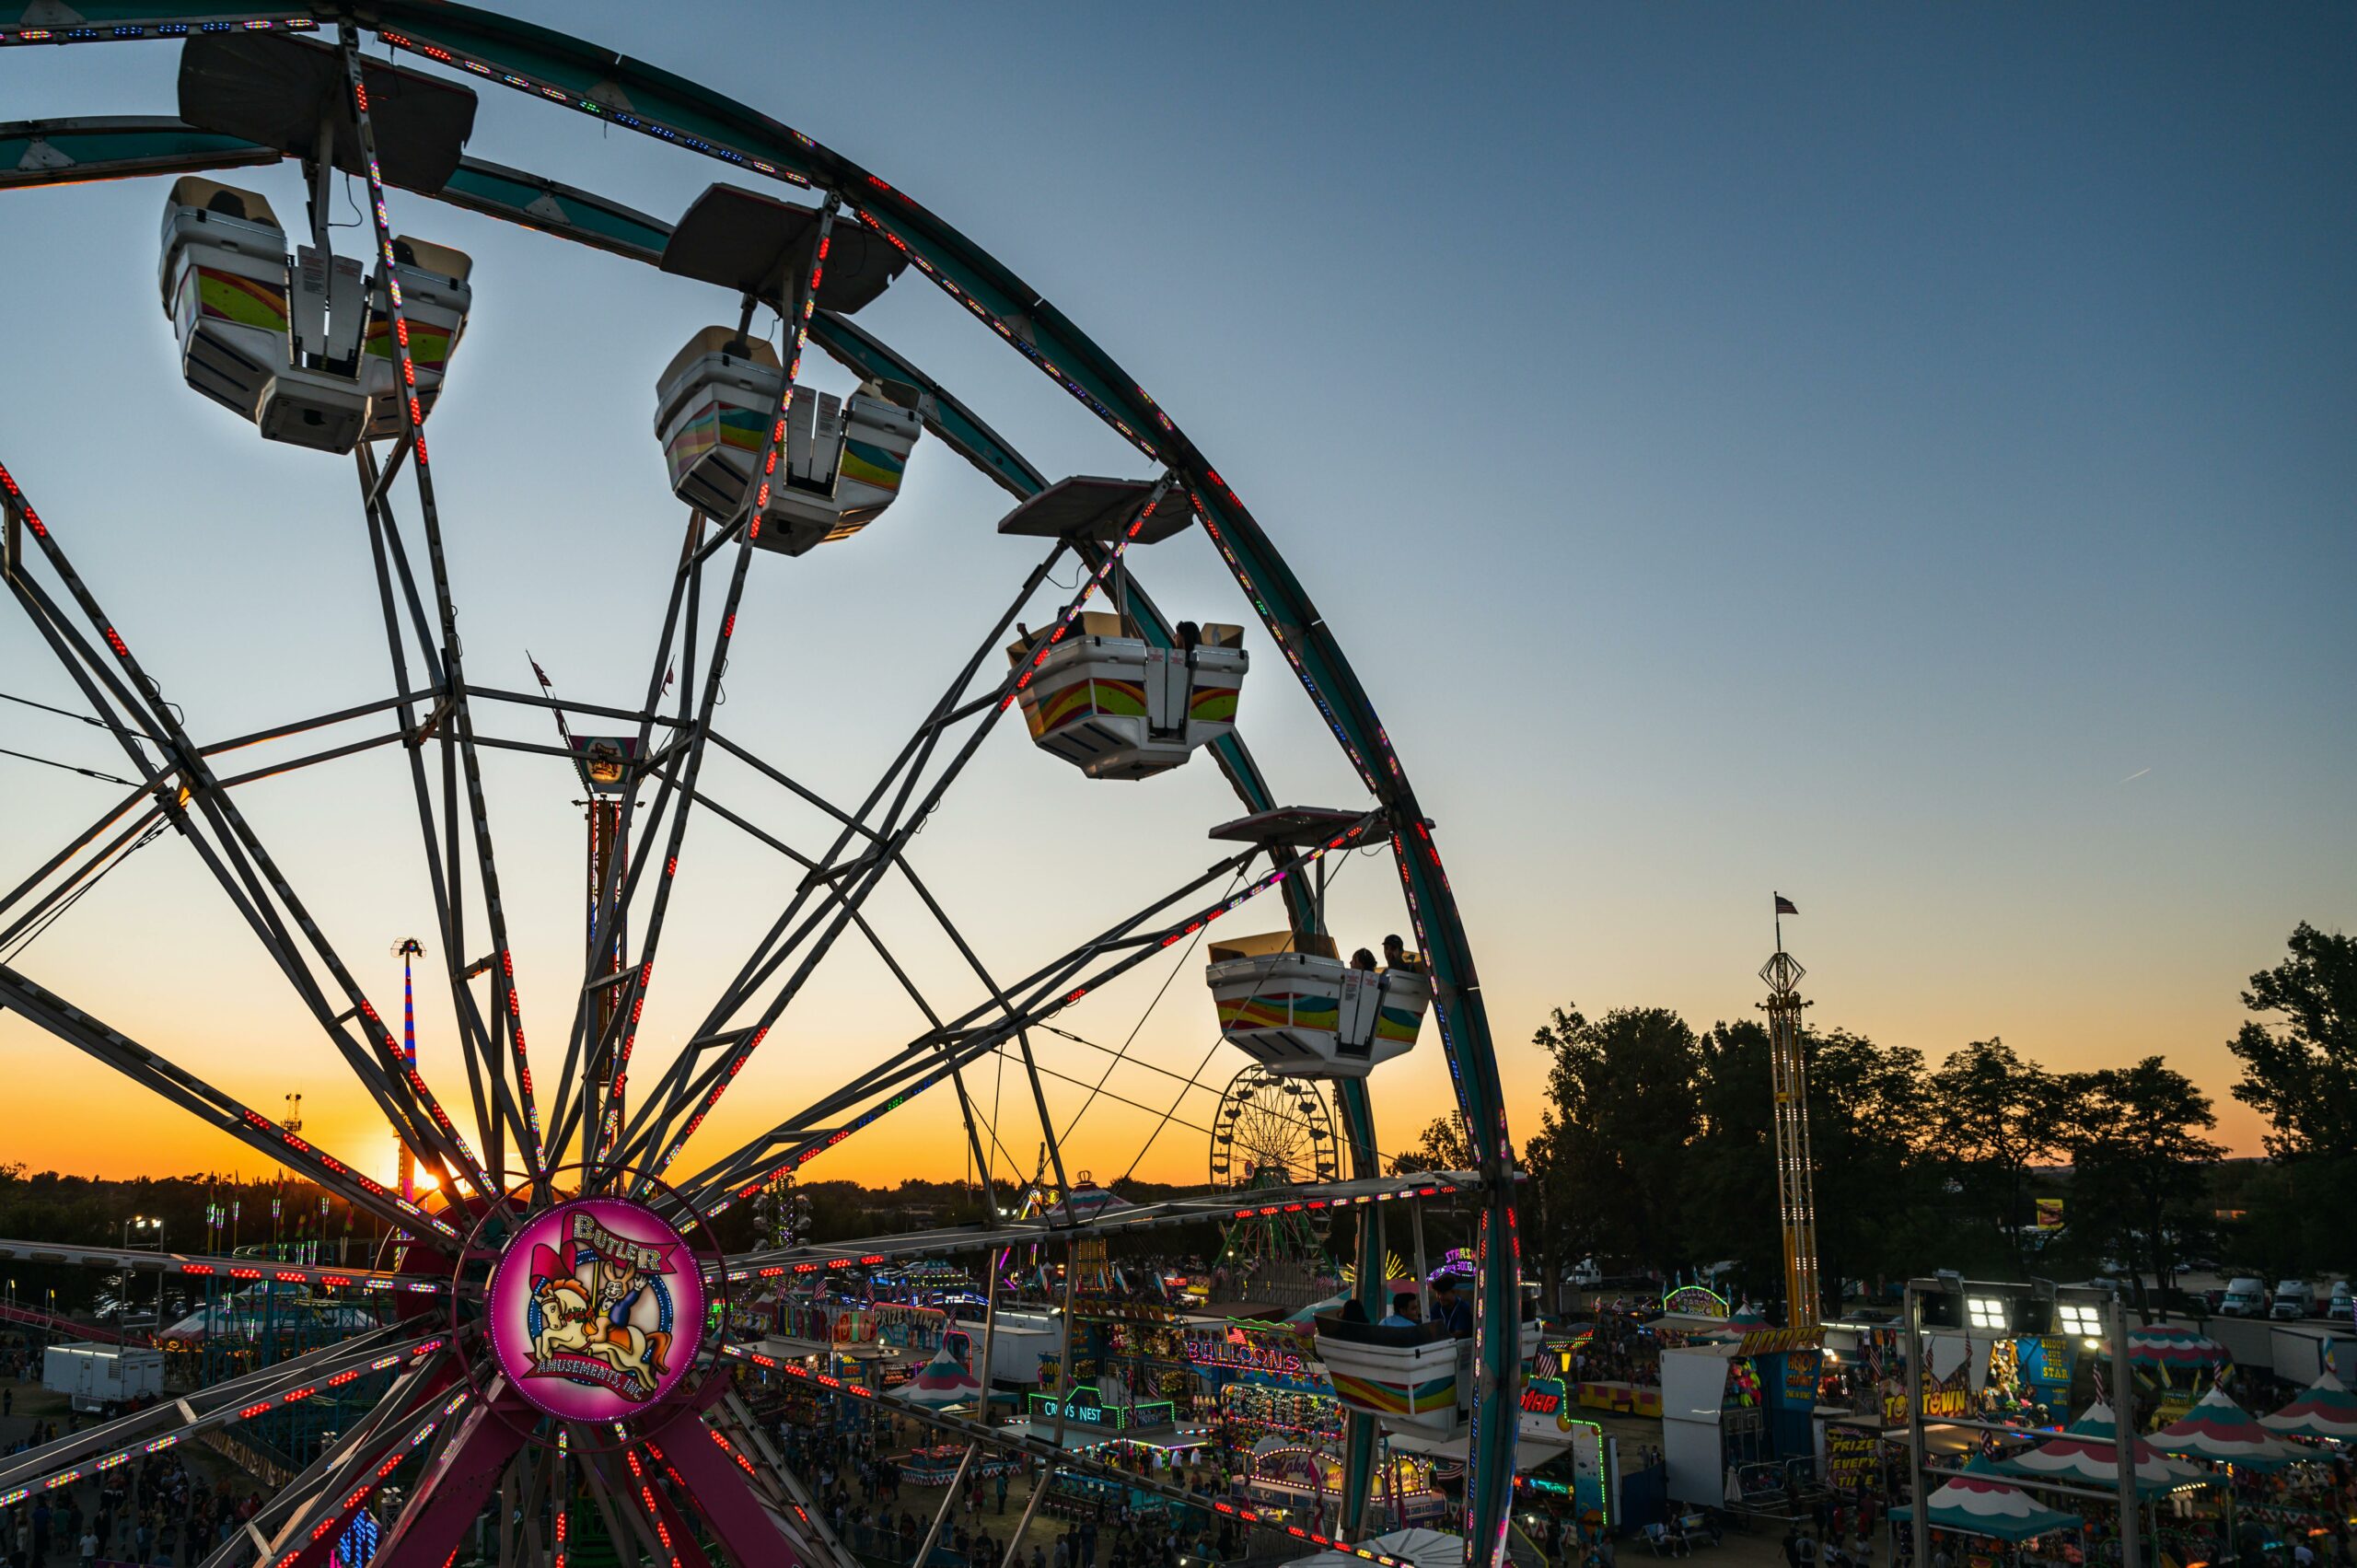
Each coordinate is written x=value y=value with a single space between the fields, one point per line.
x=857 y=1488
x=155 y=1512
x=1619 y=1348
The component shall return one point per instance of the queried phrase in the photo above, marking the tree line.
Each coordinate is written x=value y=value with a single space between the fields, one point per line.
x=1653 y=1150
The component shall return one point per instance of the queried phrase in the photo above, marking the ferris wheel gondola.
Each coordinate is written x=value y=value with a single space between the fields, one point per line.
x=560 y=1246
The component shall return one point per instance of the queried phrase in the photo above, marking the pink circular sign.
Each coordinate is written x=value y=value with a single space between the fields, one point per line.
x=596 y=1309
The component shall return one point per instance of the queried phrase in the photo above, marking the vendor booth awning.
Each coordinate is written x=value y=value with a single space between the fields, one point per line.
x=2324 y=1408
x=2096 y=1421
x=2095 y=1460
x=2217 y=1428
x=944 y=1381
x=1974 y=1504
x=2174 y=1346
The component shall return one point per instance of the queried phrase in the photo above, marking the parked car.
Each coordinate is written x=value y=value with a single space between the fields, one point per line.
x=2211 y=1300
x=2246 y=1296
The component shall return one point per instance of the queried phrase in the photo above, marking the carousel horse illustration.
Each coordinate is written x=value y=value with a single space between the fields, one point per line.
x=593 y=1320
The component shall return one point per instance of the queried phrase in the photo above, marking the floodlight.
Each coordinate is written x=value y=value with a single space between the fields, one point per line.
x=1987 y=1312
x=2080 y=1318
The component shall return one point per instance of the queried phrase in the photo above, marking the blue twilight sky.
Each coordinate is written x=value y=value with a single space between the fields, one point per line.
x=1900 y=457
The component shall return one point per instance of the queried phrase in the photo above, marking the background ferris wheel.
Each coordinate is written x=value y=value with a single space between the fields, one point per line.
x=1271 y=1131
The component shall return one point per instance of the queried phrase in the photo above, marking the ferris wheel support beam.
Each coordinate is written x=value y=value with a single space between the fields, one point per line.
x=723 y=1494
x=679 y=1084
x=239 y=862
x=308 y=1536
x=1049 y=991
x=597 y=1144
x=461 y=1475
x=412 y=1391
x=507 y=1013
x=77 y=1455
x=478 y=1044
x=185 y=1089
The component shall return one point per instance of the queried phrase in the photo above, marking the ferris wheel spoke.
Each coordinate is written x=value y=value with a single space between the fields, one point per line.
x=232 y=1271
x=310 y=1526
x=184 y=1089
x=495 y=1104
x=253 y=1544
x=846 y=885
x=76 y=1455
x=240 y=863
x=453 y=710
x=793 y=1143
x=601 y=1130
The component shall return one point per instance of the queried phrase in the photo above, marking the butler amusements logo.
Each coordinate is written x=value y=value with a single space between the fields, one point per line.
x=596 y=1309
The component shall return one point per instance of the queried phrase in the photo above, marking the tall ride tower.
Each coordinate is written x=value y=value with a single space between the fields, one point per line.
x=1796 y=1179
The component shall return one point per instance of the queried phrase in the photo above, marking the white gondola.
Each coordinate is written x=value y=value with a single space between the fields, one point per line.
x=298 y=346
x=434 y=300
x=1118 y=708
x=844 y=459
x=224 y=283
x=1415 y=1378
x=1298 y=1010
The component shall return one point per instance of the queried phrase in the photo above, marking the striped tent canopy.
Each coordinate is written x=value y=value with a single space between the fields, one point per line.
x=1976 y=1505
x=2095 y=1460
x=2096 y=1421
x=2174 y=1346
x=2217 y=1428
x=2324 y=1408
x=945 y=1381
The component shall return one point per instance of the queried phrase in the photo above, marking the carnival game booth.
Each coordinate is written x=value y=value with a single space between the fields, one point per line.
x=1735 y=1411
x=2177 y=1364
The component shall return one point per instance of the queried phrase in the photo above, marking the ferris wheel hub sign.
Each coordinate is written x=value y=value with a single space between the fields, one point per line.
x=596 y=1309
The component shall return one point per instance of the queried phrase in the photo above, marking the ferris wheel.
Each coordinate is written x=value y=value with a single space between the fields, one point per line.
x=1271 y=1131
x=554 y=1321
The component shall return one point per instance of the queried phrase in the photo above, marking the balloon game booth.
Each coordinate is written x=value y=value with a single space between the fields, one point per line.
x=1736 y=1412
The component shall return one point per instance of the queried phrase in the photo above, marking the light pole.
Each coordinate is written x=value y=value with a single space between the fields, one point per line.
x=123 y=1297
x=1966 y=1307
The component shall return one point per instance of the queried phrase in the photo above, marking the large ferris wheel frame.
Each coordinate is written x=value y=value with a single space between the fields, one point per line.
x=179 y=784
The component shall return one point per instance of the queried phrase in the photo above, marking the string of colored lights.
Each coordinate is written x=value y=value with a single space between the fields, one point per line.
x=805 y=303
x=221 y=808
x=229 y=1415
x=505 y=1001
x=1039 y=1008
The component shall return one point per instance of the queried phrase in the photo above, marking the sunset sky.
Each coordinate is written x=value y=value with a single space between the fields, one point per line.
x=1900 y=458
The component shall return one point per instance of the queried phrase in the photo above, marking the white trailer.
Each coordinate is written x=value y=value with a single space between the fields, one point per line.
x=91 y=1376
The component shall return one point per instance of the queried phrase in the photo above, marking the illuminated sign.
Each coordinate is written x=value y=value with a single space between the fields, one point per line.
x=1695 y=1301
x=1239 y=1352
x=1095 y=1412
